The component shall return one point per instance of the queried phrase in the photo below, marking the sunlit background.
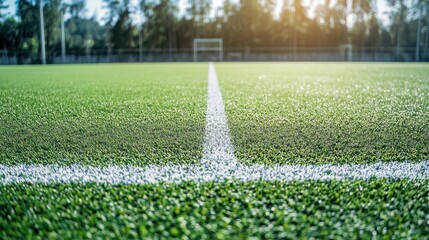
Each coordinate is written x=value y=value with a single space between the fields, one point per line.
x=250 y=30
x=96 y=8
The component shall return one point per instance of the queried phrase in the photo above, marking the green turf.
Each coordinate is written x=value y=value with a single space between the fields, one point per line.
x=313 y=113
x=338 y=209
x=101 y=114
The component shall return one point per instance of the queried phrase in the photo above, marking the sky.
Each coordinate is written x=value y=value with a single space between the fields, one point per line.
x=96 y=7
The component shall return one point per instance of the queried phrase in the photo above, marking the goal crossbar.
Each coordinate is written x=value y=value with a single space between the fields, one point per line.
x=208 y=41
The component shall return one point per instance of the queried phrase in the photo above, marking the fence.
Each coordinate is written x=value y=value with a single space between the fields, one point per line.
x=230 y=54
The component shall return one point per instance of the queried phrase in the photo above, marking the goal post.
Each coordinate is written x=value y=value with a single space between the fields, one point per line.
x=4 y=57
x=346 y=51
x=208 y=45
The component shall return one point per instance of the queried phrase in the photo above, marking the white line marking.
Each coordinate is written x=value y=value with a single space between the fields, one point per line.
x=34 y=173
x=218 y=150
x=218 y=163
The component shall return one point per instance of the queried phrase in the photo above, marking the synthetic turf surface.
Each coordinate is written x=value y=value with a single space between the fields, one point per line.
x=145 y=114
x=103 y=114
x=314 y=113
x=335 y=209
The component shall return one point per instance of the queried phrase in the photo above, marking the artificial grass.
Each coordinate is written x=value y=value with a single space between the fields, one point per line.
x=316 y=113
x=154 y=114
x=102 y=114
x=382 y=208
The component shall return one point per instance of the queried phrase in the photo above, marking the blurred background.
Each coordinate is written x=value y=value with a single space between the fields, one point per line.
x=79 y=31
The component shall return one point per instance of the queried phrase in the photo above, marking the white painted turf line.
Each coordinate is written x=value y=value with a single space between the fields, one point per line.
x=217 y=164
x=218 y=149
x=35 y=173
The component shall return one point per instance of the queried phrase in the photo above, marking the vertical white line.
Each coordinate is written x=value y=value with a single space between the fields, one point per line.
x=218 y=149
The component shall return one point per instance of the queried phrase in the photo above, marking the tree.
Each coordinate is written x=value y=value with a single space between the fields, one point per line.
x=3 y=5
x=52 y=18
x=77 y=8
x=330 y=17
x=419 y=10
x=160 y=24
x=28 y=32
x=198 y=11
x=398 y=16
x=365 y=26
x=244 y=24
x=81 y=31
x=8 y=28
x=8 y=33
x=248 y=26
x=120 y=28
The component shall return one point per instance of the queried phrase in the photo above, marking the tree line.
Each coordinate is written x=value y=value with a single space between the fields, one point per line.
x=243 y=24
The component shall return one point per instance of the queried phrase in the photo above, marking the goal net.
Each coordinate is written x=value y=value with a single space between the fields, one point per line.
x=3 y=57
x=346 y=51
x=208 y=49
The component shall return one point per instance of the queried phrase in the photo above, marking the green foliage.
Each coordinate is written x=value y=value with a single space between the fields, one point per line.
x=246 y=25
x=121 y=30
x=3 y=5
x=77 y=8
x=102 y=114
x=8 y=33
x=52 y=16
x=313 y=113
x=29 y=31
x=265 y=210
x=81 y=31
x=28 y=37
x=159 y=26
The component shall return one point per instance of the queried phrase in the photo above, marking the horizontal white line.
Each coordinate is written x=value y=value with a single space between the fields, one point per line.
x=35 y=173
x=218 y=163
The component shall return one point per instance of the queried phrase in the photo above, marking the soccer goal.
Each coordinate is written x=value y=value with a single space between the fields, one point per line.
x=346 y=50
x=3 y=57
x=210 y=48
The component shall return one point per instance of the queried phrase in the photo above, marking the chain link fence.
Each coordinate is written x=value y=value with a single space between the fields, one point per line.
x=230 y=54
